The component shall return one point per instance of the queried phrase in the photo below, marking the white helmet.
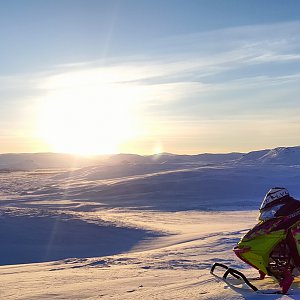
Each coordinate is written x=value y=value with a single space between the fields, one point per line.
x=273 y=195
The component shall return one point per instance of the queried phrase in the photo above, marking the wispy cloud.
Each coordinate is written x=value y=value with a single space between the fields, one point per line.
x=243 y=74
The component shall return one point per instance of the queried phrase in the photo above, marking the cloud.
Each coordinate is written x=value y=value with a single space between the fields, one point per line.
x=244 y=75
x=238 y=48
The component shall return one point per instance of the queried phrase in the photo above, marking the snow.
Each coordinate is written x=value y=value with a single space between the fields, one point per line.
x=164 y=268
x=135 y=227
x=32 y=161
x=280 y=155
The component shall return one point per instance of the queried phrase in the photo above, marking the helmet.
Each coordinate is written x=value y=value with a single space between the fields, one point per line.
x=274 y=194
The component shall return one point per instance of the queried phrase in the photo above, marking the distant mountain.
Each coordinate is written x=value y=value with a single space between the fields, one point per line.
x=126 y=158
x=124 y=165
x=31 y=161
x=253 y=156
x=283 y=155
x=206 y=158
x=280 y=155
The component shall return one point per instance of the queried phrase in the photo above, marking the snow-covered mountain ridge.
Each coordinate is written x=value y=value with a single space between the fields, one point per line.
x=167 y=186
x=280 y=155
x=31 y=161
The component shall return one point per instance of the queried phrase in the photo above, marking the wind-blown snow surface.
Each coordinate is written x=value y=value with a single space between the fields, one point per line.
x=135 y=227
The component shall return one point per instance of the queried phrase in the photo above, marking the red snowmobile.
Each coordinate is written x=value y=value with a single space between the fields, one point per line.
x=273 y=245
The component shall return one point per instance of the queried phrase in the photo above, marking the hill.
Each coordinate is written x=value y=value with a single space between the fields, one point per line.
x=281 y=155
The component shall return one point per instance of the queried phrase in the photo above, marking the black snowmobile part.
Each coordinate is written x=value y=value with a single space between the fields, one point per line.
x=237 y=274
x=222 y=266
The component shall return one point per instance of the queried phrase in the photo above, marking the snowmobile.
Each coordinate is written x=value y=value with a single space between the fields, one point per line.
x=273 y=245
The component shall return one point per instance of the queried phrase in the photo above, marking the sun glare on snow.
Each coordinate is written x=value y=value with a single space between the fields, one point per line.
x=87 y=119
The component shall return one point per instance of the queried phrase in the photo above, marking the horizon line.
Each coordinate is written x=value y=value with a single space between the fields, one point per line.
x=145 y=155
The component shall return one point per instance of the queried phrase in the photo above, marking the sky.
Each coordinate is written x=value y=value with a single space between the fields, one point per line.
x=149 y=76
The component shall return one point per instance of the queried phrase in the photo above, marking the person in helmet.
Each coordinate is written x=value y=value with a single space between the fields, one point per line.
x=276 y=203
x=273 y=245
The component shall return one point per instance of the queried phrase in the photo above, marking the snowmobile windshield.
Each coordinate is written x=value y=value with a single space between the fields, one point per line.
x=274 y=194
x=269 y=213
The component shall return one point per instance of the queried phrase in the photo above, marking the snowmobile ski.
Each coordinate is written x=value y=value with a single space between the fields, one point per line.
x=240 y=276
x=235 y=273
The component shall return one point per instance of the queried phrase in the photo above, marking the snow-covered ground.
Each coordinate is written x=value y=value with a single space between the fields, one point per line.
x=173 y=266
x=136 y=230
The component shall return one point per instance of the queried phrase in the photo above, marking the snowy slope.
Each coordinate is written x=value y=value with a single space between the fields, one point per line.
x=31 y=161
x=164 y=187
x=172 y=267
x=282 y=155
x=253 y=156
x=127 y=228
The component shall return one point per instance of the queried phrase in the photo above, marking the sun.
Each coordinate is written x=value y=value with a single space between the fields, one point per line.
x=85 y=119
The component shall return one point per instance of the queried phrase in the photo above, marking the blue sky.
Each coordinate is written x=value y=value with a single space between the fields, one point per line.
x=148 y=76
